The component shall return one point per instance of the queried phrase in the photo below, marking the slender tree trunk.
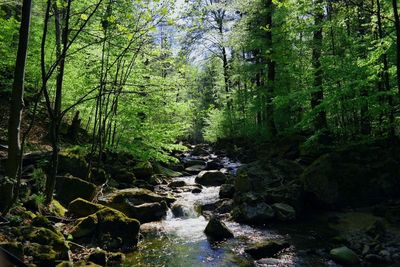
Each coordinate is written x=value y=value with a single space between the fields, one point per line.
x=271 y=64
x=397 y=27
x=17 y=101
x=317 y=95
x=385 y=72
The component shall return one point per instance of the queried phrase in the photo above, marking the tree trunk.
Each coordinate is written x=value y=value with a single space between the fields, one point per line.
x=317 y=96
x=271 y=64
x=17 y=97
x=397 y=27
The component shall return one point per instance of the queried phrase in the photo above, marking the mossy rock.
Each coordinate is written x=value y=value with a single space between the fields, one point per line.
x=85 y=226
x=15 y=248
x=57 y=208
x=344 y=256
x=43 y=255
x=266 y=249
x=81 y=207
x=143 y=170
x=69 y=188
x=136 y=196
x=72 y=163
x=44 y=236
x=211 y=178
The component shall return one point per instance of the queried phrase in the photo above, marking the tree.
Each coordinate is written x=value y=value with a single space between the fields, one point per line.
x=17 y=97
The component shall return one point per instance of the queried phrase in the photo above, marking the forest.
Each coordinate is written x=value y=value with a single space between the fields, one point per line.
x=185 y=133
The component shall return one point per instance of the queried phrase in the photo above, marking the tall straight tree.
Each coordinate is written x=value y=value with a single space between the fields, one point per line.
x=271 y=65
x=17 y=97
x=397 y=27
x=317 y=96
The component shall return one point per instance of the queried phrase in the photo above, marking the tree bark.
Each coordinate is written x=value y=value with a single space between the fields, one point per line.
x=317 y=96
x=397 y=27
x=271 y=65
x=17 y=96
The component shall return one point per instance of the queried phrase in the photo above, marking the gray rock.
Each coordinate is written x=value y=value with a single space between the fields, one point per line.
x=211 y=178
x=344 y=255
x=284 y=212
x=267 y=248
x=217 y=230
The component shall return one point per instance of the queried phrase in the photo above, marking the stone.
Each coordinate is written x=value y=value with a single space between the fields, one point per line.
x=147 y=212
x=217 y=230
x=124 y=176
x=194 y=162
x=214 y=165
x=69 y=188
x=81 y=207
x=99 y=257
x=254 y=214
x=115 y=258
x=195 y=169
x=344 y=255
x=168 y=172
x=211 y=178
x=226 y=191
x=242 y=183
x=57 y=209
x=143 y=170
x=266 y=249
x=72 y=163
x=175 y=184
x=85 y=226
x=284 y=212
x=196 y=191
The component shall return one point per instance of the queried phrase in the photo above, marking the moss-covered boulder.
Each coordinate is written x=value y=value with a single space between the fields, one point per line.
x=143 y=170
x=81 y=207
x=42 y=255
x=72 y=163
x=211 y=178
x=69 y=188
x=57 y=209
x=85 y=226
x=108 y=228
x=135 y=196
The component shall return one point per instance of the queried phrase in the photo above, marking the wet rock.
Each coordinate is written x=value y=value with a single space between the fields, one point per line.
x=148 y=212
x=195 y=169
x=175 y=184
x=69 y=188
x=254 y=214
x=284 y=212
x=211 y=178
x=217 y=230
x=99 y=257
x=214 y=165
x=267 y=248
x=226 y=191
x=194 y=162
x=344 y=255
x=82 y=208
x=179 y=211
x=196 y=191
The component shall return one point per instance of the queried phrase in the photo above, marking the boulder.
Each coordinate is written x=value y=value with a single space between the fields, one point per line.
x=72 y=163
x=195 y=169
x=176 y=184
x=168 y=172
x=124 y=176
x=284 y=212
x=199 y=151
x=69 y=188
x=134 y=196
x=344 y=256
x=147 y=212
x=214 y=165
x=194 y=162
x=217 y=230
x=226 y=191
x=109 y=229
x=254 y=214
x=266 y=249
x=358 y=175
x=211 y=178
x=143 y=170
x=82 y=208
x=99 y=257
x=196 y=191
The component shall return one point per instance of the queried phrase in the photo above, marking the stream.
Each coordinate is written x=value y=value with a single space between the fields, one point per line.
x=180 y=241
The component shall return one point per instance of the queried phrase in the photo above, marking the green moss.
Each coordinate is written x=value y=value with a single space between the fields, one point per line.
x=82 y=208
x=57 y=208
x=85 y=226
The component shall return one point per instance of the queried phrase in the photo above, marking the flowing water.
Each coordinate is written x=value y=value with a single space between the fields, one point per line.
x=180 y=241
